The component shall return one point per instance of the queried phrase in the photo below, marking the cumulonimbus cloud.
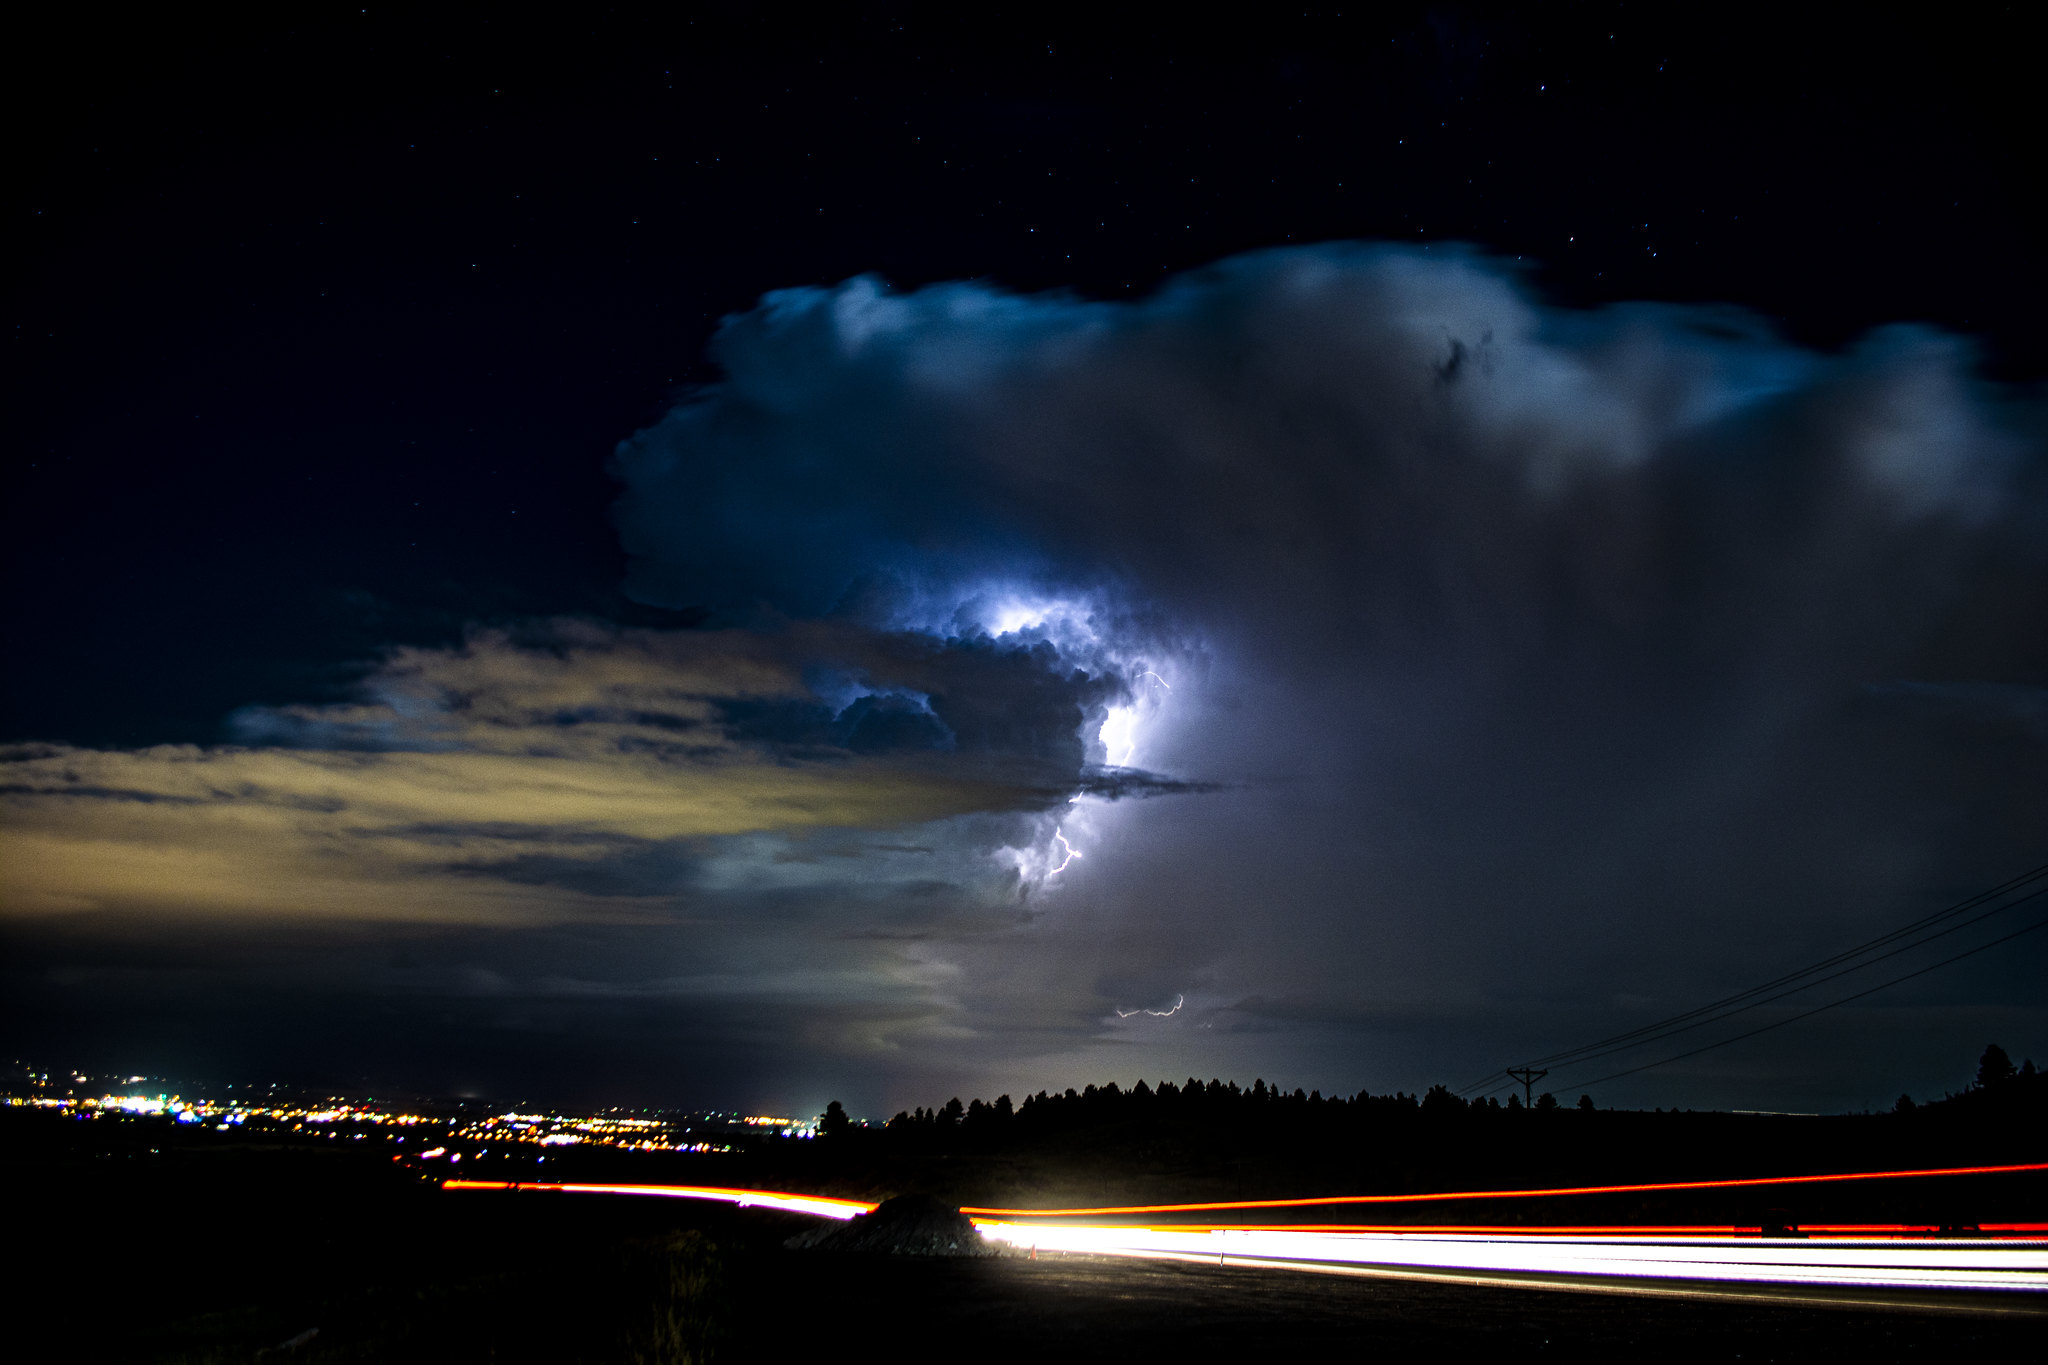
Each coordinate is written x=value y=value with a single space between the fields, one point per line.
x=1501 y=620
x=1521 y=661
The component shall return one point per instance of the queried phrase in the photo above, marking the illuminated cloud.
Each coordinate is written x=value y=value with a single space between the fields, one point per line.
x=461 y=774
x=1538 y=662
x=1534 y=671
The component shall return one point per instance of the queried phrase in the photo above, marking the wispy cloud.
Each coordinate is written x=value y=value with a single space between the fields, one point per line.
x=505 y=781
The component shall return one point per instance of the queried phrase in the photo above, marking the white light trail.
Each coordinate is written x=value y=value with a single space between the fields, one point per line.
x=1636 y=1261
x=1178 y=1001
x=1148 y=673
x=1877 y=1262
x=1072 y=852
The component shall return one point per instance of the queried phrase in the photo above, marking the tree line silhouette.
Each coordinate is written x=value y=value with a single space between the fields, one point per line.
x=1227 y=1108
x=1213 y=1104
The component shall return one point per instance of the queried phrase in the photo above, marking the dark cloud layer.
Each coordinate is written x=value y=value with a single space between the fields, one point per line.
x=1510 y=675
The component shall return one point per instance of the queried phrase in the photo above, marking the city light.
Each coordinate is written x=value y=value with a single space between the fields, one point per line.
x=332 y=1117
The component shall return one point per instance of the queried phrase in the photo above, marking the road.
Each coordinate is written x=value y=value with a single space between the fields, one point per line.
x=2008 y=1267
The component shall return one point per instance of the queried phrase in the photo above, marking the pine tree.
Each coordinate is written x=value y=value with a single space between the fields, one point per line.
x=1994 y=1067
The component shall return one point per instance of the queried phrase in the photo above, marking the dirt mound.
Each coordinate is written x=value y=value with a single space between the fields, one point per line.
x=908 y=1225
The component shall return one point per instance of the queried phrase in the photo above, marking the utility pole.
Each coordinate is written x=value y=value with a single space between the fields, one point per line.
x=1528 y=1076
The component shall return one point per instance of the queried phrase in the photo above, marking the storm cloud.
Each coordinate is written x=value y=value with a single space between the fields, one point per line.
x=1555 y=662
x=1506 y=674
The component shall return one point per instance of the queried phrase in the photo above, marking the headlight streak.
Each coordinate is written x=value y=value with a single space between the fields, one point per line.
x=1178 y=1001
x=1878 y=1262
x=1444 y=1195
x=2013 y=1257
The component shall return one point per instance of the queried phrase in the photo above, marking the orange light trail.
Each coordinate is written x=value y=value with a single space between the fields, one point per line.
x=1753 y=1182
x=822 y=1205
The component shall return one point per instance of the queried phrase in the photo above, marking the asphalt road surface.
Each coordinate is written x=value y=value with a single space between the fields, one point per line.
x=1064 y=1307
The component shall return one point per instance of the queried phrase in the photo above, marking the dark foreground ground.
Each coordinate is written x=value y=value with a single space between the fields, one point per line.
x=148 y=1254
x=496 y=1278
x=1099 y=1309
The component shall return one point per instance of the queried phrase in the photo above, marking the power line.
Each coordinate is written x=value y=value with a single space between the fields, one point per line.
x=1969 y=903
x=1883 y=985
x=1581 y=1055
x=1528 y=1076
x=1664 y=1027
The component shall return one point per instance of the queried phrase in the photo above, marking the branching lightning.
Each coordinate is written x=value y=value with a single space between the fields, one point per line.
x=1178 y=1001
x=1072 y=852
x=1072 y=627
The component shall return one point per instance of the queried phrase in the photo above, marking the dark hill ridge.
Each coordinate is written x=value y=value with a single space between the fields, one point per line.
x=908 y=1225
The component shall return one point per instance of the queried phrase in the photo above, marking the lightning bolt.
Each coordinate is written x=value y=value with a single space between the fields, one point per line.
x=1072 y=852
x=1178 y=1001
x=1148 y=673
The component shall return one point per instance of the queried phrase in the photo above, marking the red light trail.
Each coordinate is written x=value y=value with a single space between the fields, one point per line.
x=2027 y=1231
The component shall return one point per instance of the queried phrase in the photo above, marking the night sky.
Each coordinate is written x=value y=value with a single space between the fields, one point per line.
x=733 y=561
